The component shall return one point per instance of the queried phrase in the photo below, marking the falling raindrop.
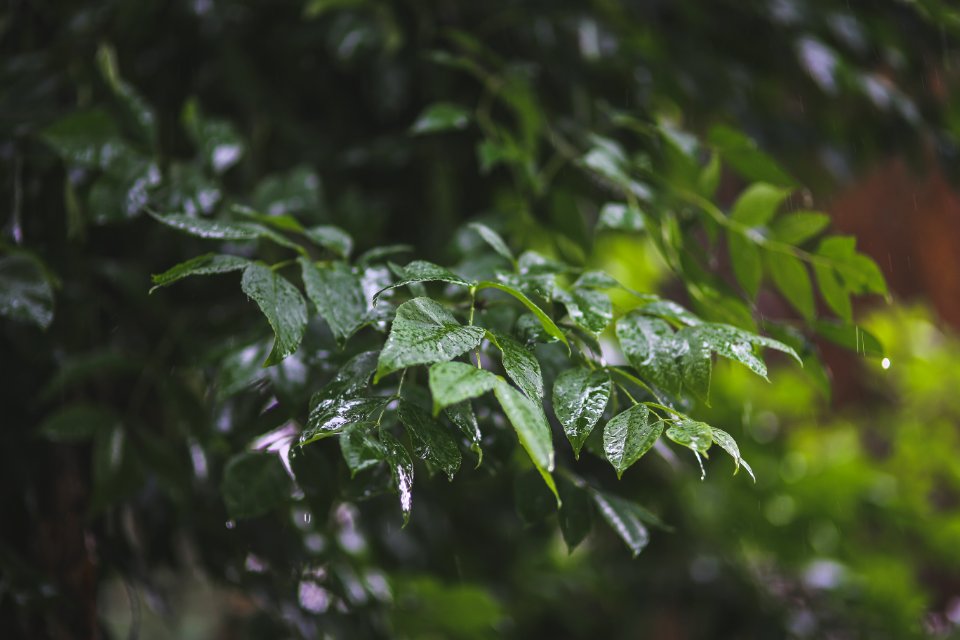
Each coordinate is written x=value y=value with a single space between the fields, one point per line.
x=231 y=524
x=885 y=363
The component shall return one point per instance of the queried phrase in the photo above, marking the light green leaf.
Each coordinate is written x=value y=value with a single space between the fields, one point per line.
x=709 y=179
x=625 y=519
x=548 y=325
x=337 y=293
x=791 y=277
x=615 y=216
x=758 y=204
x=796 y=228
x=283 y=306
x=696 y=436
x=580 y=397
x=423 y=271
x=207 y=264
x=834 y=291
x=728 y=444
x=432 y=441
x=254 y=483
x=532 y=429
x=332 y=238
x=851 y=337
x=401 y=468
x=493 y=239
x=745 y=259
x=594 y=279
x=454 y=382
x=441 y=116
x=649 y=345
x=628 y=436
x=520 y=365
x=25 y=292
x=425 y=332
x=860 y=273
x=743 y=155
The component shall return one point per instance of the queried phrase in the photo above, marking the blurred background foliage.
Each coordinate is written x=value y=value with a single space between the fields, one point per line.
x=121 y=415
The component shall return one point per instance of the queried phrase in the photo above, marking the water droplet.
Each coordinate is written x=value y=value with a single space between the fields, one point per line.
x=230 y=524
x=885 y=363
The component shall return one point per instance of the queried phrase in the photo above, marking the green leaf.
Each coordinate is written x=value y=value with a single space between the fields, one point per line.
x=332 y=238
x=728 y=444
x=594 y=279
x=615 y=216
x=576 y=513
x=254 y=483
x=580 y=397
x=207 y=264
x=401 y=469
x=758 y=204
x=337 y=293
x=834 y=291
x=548 y=324
x=493 y=239
x=709 y=179
x=283 y=306
x=464 y=419
x=351 y=380
x=732 y=343
x=377 y=254
x=625 y=519
x=454 y=382
x=670 y=310
x=742 y=154
x=25 y=291
x=332 y=417
x=359 y=448
x=696 y=436
x=217 y=140
x=796 y=228
x=432 y=441
x=791 y=277
x=77 y=423
x=520 y=365
x=441 y=116
x=648 y=343
x=628 y=436
x=424 y=332
x=86 y=138
x=860 y=273
x=590 y=310
x=851 y=337
x=745 y=259
x=210 y=228
x=295 y=191
x=532 y=429
x=423 y=271
x=135 y=107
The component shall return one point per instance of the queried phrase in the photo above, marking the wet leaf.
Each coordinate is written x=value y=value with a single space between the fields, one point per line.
x=283 y=306
x=217 y=140
x=332 y=238
x=588 y=309
x=521 y=366
x=207 y=264
x=697 y=436
x=625 y=518
x=210 y=228
x=548 y=325
x=254 y=483
x=432 y=441
x=493 y=239
x=401 y=469
x=464 y=419
x=648 y=343
x=425 y=332
x=533 y=431
x=629 y=435
x=423 y=271
x=576 y=513
x=360 y=449
x=580 y=397
x=454 y=382
x=728 y=444
x=330 y=418
x=792 y=279
x=337 y=293
x=25 y=292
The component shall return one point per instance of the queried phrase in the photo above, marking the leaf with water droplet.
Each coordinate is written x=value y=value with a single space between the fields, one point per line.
x=207 y=264
x=464 y=419
x=423 y=271
x=425 y=332
x=533 y=431
x=401 y=469
x=493 y=239
x=728 y=444
x=588 y=309
x=580 y=397
x=25 y=292
x=332 y=238
x=360 y=449
x=625 y=519
x=521 y=365
x=283 y=306
x=332 y=417
x=696 y=436
x=432 y=441
x=337 y=293
x=649 y=345
x=548 y=325
x=629 y=435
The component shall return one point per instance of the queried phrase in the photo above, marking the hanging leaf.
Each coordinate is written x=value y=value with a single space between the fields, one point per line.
x=359 y=447
x=283 y=306
x=532 y=429
x=463 y=417
x=590 y=310
x=648 y=343
x=746 y=263
x=423 y=271
x=520 y=365
x=401 y=469
x=548 y=324
x=330 y=418
x=432 y=441
x=424 y=332
x=576 y=512
x=337 y=293
x=728 y=444
x=580 y=397
x=628 y=436
x=758 y=204
x=792 y=279
x=493 y=239
x=454 y=382
x=331 y=238
x=696 y=436
x=207 y=264
x=625 y=519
